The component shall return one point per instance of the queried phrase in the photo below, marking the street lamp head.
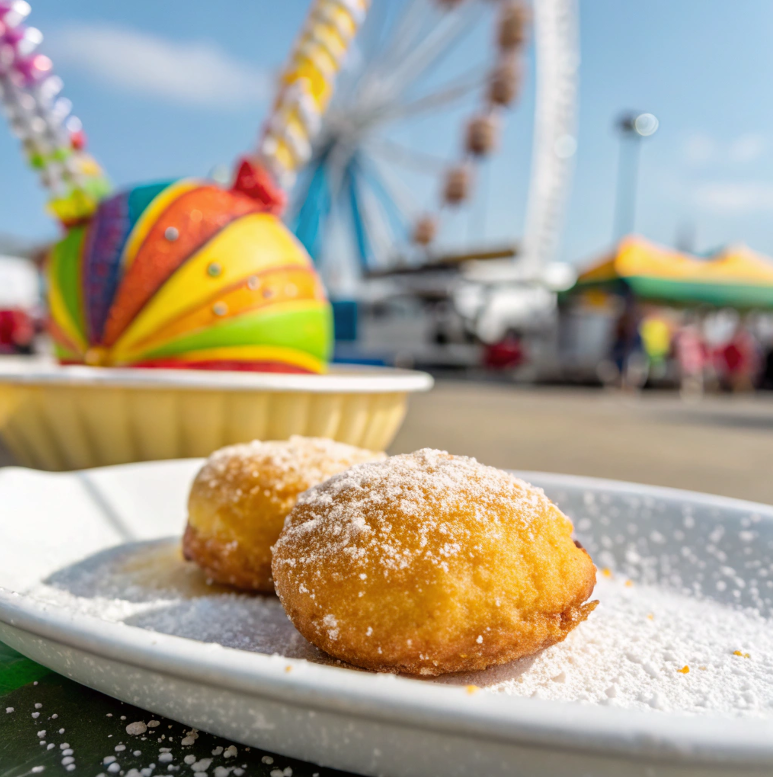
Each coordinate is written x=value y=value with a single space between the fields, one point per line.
x=645 y=124
x=637 y=124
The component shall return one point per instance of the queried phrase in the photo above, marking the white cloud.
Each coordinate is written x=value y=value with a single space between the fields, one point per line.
x=747 y=148
x=197 y=73
x=734 y=198
x=700 y=148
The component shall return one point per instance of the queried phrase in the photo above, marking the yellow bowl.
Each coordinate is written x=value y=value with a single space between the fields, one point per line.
x=62 y=418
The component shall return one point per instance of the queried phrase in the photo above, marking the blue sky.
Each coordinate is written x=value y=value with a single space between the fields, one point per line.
x=174 y=88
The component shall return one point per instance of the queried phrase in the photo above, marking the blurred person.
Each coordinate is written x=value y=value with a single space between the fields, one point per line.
x=691 y=355
x=17 y=331
x=738 y=361
x=627 y=354
x=506 y=354
x=655 y=333
x=766 y=378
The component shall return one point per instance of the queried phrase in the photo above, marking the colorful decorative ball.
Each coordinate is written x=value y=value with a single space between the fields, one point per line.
x=186 y=274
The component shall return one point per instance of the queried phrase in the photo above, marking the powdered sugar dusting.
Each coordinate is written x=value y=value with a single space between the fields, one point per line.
x=149 y=585
x=650 y=649
x=428 y=485
x=629 y=654
x=292 y=464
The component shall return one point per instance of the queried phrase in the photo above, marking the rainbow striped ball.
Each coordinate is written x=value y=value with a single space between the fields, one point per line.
x=187 y=274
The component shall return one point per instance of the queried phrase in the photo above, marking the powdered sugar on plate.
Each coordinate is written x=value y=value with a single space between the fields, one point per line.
x=651 y=649
x=645 y=647
x=151 y=586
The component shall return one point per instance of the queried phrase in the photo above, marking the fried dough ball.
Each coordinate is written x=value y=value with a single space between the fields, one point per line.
x=428 y=563
x=240 y=497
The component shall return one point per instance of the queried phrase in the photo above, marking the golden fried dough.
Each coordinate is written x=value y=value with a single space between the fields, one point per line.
x=427 y=563
x=240 y=497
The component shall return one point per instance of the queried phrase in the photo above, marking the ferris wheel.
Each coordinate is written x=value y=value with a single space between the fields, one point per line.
x=360 y=206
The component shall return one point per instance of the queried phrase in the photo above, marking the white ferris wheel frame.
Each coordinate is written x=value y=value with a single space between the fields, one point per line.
x=555 y=127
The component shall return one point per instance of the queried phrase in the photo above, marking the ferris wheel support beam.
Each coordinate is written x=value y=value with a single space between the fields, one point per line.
x=402 y=41
x=415 y=161
x=445 y=95
x=557 y=61
x=452 y=26
x=401 y=193
x=308 y=221
x=360 y=232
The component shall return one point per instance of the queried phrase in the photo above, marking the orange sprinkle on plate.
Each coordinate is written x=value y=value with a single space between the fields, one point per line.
x=684 y=670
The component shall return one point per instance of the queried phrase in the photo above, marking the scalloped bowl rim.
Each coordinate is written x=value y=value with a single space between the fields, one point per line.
x=341 y=378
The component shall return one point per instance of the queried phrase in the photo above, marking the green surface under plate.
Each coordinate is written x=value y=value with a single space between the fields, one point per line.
x=50 y=725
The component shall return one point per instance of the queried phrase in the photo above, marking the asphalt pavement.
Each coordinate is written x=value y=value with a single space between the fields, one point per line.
x=719 y=445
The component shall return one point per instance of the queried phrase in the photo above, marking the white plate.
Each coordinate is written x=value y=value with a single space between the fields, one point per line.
x=373 y=724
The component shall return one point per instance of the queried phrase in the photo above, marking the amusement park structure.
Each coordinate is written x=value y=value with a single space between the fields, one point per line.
x=366 y=206
x=357 y=206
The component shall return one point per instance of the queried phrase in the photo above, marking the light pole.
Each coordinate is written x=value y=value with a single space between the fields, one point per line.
x=632 y=128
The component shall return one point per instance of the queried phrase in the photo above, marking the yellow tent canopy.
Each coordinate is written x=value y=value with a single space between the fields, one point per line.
x=735 y=277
